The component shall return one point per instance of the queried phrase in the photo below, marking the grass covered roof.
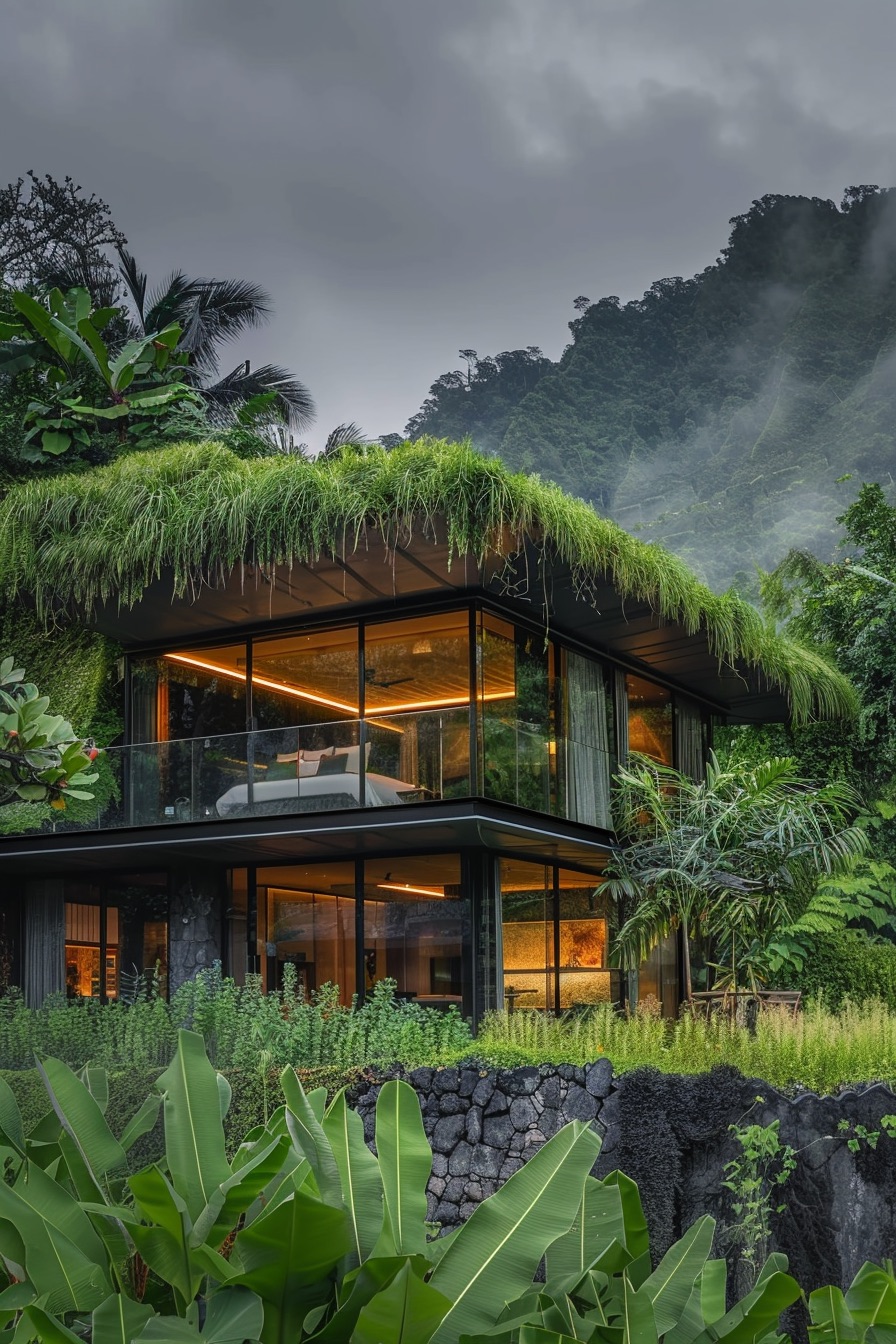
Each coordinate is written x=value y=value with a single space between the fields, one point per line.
x=196 y=511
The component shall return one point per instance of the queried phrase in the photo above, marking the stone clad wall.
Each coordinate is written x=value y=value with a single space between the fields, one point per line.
x=483 y=1124
x=672 y=1135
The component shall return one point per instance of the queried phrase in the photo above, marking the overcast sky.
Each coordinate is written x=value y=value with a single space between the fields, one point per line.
x=411 y=176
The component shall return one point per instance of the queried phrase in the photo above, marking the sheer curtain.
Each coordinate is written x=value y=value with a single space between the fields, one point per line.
x=689 y=753
x=588 y=746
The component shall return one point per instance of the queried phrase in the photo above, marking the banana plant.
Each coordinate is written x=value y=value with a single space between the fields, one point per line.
x=63 y=337
x=867 y=1311
x=305 y=1235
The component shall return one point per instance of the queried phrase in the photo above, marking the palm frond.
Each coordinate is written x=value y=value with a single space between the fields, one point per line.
x=293 y=404
x=135 y=281
x=349 y=435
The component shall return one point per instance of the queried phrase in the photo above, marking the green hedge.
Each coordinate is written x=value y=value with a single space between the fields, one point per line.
x=848 y=965
x=129 y=1088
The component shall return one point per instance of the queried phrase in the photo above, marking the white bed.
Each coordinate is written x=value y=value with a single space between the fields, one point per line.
x=311 y=794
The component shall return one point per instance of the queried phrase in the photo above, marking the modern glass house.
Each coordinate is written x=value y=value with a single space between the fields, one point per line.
x=372 y=738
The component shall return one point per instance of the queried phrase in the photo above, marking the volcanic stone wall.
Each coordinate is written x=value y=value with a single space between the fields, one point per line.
x=671 y=1134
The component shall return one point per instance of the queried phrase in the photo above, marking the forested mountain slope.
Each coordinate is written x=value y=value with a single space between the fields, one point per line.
x=715 y=414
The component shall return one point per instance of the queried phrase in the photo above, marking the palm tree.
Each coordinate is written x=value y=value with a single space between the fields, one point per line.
x=736 y=855
x=211 y=313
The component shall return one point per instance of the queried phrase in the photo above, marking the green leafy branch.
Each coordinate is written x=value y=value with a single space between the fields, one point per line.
x=41 y=758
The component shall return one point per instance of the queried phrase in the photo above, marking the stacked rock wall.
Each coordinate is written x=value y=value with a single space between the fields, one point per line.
x=673 y=1136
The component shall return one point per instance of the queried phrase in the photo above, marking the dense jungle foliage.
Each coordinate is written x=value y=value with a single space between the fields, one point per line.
x=716 y=413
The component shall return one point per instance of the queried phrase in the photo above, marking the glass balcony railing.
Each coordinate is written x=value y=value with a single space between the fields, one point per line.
x=326 y=767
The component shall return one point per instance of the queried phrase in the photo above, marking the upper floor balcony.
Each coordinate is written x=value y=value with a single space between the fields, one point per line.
x=335 y=765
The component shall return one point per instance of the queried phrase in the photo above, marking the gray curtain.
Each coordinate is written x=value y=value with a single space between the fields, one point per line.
x=621 y=718
x=588 y=745
x=689 y=752
x=44 y=960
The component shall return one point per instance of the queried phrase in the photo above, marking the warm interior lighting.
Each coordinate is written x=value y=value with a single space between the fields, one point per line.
x=236 y=675
x=415 y=891
x=448 y=702
x=422 y=646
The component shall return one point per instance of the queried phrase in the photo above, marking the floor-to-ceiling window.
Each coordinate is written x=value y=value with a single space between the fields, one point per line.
x=307 y=922
x=650 y=729
x=116 y=937
x=411 y=913
x=554 y=938
x=384 y=712
x=418 y=929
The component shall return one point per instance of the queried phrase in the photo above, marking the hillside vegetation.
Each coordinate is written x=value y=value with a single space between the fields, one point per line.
x=715 y=414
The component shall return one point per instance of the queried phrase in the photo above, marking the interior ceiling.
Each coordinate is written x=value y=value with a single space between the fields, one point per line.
x=417 y=663
x=374 y=578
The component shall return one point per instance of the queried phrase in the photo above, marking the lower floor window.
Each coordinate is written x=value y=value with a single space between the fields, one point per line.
x=116 y=937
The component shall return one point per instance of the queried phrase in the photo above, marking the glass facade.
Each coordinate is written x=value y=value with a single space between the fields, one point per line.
x=116 y=937
x=553 y=939
x=354 y=924
x=422 y=708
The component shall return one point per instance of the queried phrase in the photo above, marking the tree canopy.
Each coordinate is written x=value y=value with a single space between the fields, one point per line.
x=715 y=413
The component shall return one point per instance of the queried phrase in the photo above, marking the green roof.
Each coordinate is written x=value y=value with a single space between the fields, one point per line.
x=196 y=511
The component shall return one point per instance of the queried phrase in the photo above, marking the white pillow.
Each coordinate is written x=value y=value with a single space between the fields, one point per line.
x=307 y=769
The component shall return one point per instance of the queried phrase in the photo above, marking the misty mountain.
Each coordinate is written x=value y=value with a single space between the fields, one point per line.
x=715 y=414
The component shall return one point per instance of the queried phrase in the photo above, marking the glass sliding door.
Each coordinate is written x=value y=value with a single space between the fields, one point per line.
x=516 y=702
x=418 y=930
x=417 y=708
x=584 y=975
x=527 y=936
x=116 y=937
x=308 y=918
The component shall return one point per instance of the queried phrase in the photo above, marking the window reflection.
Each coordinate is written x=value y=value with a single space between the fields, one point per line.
x=649 y=719
x=417 y=926
x=554 y=940
x=308 y=918
x=515 y=692
x=116 y=938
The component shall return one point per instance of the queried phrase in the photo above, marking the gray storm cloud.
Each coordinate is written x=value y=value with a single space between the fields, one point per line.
x=407 y=178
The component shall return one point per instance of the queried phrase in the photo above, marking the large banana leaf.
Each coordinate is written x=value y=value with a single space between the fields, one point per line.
x=12 y=1130
x=142 y=1122
x=832 y=1322
x=405 y=1162
x=359 y=1173
x=236 y=1194
x=494 y=1256
x=82 y=1119
x=287 y=1257
x=871 y=1297
x=599 y=1224
x=307 y=1134
x=756 y=1314
x=194 y=1133
x=670 y=1285
x=358 y=1288
x=119 y=1319
x=164 y=1244
x=407 y=1311
x=637 y=1320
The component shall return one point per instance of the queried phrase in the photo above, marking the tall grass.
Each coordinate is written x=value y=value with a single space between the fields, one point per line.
x=816 y=1050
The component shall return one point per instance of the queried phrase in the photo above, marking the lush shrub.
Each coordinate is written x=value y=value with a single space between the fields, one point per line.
x=242 y=1028
x=848 y=966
